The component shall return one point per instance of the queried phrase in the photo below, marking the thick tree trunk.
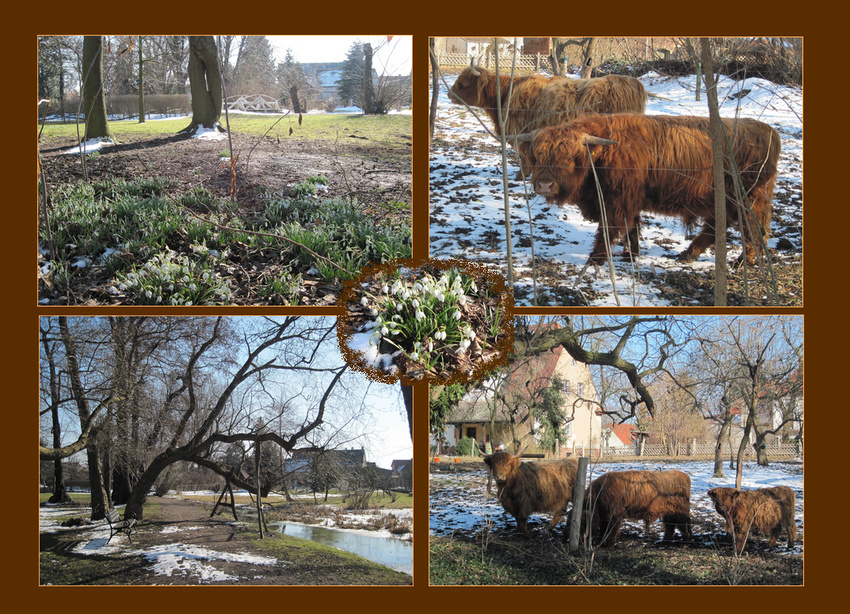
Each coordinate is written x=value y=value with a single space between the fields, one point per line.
x=589 y=59
x=94 y=103
x=205 y=84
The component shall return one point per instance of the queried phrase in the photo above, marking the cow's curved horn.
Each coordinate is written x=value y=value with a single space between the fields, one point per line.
x=525 y=137
x=589 y=139
x=472 y=68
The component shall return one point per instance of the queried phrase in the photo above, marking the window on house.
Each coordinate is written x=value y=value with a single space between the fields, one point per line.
x=568 y=428
x=472 y=432
x=580 y=391
x=566 y=386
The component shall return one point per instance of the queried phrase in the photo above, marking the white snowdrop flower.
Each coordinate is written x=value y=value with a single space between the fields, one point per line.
x=415 y=303
x=374 y=312
x=148 y=293
x=414 y=356
x=193 y=287
x=159 y=299
x=399 y=306
x=405 y=295
x=384 y=330
x=430 y=346
x=456 y=315
x=440 y=296
x=386 y=289
x=420 y=314
x=417 y=287
x=471 y=333
x=364 y=301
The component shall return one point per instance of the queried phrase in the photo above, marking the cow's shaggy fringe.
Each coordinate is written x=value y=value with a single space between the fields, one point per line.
x=537 y=101
x=659 y=164
x=766 y=510
x=639 y=495
x=528 y=488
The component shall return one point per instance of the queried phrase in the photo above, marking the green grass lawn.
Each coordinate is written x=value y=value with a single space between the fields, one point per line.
x=378 y=128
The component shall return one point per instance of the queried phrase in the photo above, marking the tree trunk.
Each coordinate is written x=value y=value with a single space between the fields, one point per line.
x=589 y=58
x=99 y=497
x=368 y=86
x=94 y=103
x=293 y=96
x=718 y=156
x=435 y=88
x=723 y=434
x=205 y=84
x=141 y=84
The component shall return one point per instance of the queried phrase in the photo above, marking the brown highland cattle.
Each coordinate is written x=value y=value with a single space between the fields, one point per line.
x=529 y=488
x=537 y=101
x=653 y=163
x=639 y=495
x=766 y=510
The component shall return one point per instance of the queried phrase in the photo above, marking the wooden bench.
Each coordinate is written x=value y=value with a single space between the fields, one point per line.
x=119 y=525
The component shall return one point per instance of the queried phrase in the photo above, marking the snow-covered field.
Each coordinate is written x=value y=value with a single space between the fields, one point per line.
x=467 y=200
x=459 y=503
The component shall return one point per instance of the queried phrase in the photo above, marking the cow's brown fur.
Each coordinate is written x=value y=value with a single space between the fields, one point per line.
x=528 y=488
x=766 y=510
x=537 y=101
x=659 y=164
x=639 y=495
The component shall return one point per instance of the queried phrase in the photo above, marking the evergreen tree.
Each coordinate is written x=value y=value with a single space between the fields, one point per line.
x=351 y=81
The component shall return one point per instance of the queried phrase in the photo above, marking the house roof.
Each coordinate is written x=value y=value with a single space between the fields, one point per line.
x=624 y=432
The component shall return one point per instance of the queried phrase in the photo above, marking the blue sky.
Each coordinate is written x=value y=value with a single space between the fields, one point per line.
x=393 y=57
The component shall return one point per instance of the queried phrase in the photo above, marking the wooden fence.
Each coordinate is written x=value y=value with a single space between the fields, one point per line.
x=524 y=63
x=696 y=450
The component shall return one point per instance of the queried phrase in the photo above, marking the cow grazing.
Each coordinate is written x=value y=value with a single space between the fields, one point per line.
x=639 y=495
x=766 y=510
x=537 y=101
x=657 y=164
x=528 y=488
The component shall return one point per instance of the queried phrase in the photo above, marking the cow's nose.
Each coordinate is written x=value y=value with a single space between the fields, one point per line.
x=544 y=187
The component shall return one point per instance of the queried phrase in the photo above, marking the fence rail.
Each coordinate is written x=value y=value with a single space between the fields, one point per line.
x=534 y=62
x=785 y=450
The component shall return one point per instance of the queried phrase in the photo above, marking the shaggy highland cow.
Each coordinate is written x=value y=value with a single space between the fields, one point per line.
x=537 y=101
x=639 y=495
x=766 y=510
x=653 y=163
x=524 y=489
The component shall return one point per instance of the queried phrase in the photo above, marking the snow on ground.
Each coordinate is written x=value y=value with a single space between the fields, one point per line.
x=187 y=560
x=459 y=502
x=467 y=199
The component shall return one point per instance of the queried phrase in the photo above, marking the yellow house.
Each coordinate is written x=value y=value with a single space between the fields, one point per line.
x=500 y=412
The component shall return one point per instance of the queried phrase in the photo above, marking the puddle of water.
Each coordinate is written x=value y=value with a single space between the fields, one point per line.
x=387 y=551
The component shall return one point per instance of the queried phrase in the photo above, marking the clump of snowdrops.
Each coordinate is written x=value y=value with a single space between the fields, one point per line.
x=174 y=279
x=427 y=318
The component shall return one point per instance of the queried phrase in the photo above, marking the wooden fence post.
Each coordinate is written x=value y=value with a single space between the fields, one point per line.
x=578 y=503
